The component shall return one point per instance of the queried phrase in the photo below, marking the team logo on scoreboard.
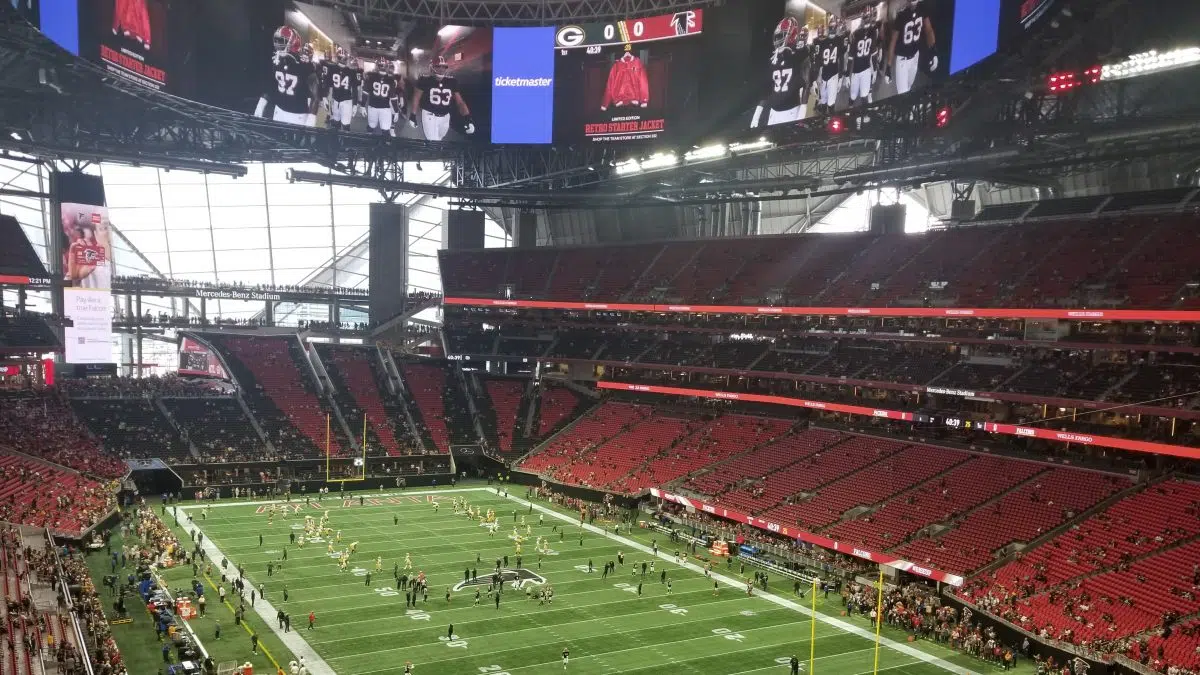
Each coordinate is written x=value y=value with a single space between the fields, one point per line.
x=518 y=579
x=684 y=22
x=570 y=36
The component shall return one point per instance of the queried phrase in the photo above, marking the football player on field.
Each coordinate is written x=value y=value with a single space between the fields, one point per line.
x=293 y=91
x=912 y=29
x=435 y=94
x=787 y=76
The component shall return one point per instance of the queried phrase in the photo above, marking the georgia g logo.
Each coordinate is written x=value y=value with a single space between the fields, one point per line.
x=518 y=579
x=570 y=36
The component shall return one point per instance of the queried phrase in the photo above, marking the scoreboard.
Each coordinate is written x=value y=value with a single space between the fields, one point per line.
x=626 y=80
x=594 y=36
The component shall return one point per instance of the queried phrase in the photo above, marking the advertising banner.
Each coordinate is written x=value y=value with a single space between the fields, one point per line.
x=87 y=277
x=523 y=85
x=196 y=359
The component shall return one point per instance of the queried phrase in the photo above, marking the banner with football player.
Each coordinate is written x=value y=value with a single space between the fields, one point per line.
x=818 y=63
x=628 y=80
x=87 y=273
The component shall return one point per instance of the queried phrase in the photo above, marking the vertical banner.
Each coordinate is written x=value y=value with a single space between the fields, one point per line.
x=129 y=37
x=387 y=264
x=523 y=85
x=87 y=267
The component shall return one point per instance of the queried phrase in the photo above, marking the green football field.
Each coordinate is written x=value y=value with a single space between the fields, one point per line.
x=364 y=628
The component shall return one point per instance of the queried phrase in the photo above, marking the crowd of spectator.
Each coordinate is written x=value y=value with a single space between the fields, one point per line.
x=143 y=387
x=159 y=284
x=40 y=423
x=89 y=608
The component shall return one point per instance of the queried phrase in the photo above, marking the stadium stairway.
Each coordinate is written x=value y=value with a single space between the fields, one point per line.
x=357 y=395
x=307 y=359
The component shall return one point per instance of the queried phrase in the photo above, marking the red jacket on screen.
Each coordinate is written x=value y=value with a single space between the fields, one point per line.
x=132 y=19
x=627 y=83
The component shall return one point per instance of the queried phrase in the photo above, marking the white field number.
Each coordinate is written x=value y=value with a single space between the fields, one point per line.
x=386 y=592
x=492 y=670
x=674 y=609
x=584 y=568
x=417 y=615
x=455 y=643
x=728 y=634
x=628 y=588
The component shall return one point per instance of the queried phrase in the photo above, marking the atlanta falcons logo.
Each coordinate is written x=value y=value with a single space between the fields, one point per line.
x=91 y=256
x=518 y=579
x=684 y=22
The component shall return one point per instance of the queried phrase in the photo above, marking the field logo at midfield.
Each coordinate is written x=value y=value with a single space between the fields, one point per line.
x=518 y=579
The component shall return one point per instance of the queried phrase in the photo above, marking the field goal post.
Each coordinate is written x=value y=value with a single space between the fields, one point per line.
x=360 y=461
x=227 y=668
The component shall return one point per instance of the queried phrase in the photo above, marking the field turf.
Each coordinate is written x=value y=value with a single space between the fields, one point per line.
x=364 y=628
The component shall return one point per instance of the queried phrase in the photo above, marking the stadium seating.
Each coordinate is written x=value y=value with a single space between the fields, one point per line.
x=608 y=464
x=219 y=429
x=592 y=430
x=42 y=495
x=26 y=331
x=759 y=463
x=280 y=394
x=505 y=397
x=1023 y=515
x=133 y=428
x=968 y=485
x=709 y=444
x=354 y=380
x=555 y=406
x=44 y=426
x=910 y=466
x=439 y=403
x=1142 y=264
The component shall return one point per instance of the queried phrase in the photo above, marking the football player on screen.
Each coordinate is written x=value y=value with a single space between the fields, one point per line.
x=830 y=52
x=294 y=90
x=436 y=93
x=343 y=79
x=865 y=54
x=381 y=94
x=788 y=76
x=911 y=29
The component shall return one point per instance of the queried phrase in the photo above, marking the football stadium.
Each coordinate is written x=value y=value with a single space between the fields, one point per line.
x=637 y=337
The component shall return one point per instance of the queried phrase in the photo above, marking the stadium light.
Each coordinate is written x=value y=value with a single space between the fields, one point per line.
x=1151 y=62
x=943 y=117
x=836 y=125
x=707 y=152
x=751 y=146
x=628 y=167
x=660 y=160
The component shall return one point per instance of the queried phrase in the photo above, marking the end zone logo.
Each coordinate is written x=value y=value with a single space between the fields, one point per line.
x=517 y=578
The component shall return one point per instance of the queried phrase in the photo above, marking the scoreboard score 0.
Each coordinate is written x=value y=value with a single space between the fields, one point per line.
x=596 y=35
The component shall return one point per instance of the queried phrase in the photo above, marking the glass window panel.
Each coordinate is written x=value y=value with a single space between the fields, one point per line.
x=147 y=241
x=241 y=239
x=184 y=263
x=208 y=276
x=186 y=218
x=190 y=240
x=181 y=177
x=120 y=174
x=421 y=278
x=185 y=195
x=239 y=308
x=343 y=195
x=303 y=237
x=119 y=196
x=237 y=194
x=303 y=259
x=298 y=216
x=133 y=220
x=159 y=259
x=233 y=262
x=423 y=247
x=352 y=215
x=295 y=194
x=249 y=277
x=348 y=235
x=24 y=209
x=238 y=217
